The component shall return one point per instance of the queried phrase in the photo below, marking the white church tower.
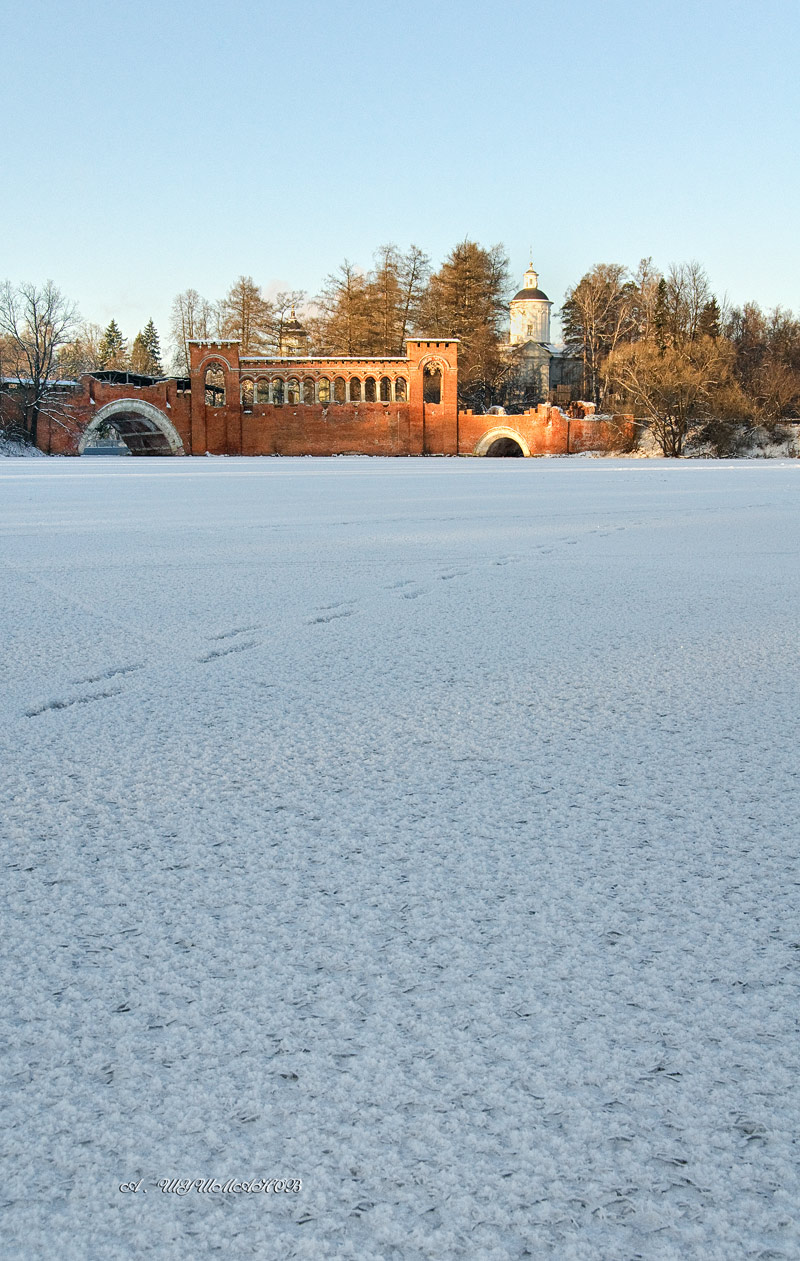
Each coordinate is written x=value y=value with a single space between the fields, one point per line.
x=530 y=312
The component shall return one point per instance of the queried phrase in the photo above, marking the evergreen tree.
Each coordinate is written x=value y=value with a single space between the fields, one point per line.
x=467 y=299
x=708 y=324
x=661 y=317
x=113 y=348
x=152 y=344
x=140 y=360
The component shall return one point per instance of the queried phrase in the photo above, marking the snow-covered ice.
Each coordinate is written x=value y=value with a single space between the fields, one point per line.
x=423 y=829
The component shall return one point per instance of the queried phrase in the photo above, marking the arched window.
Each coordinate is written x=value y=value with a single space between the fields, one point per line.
x=292 y=390
x=340 y=390
x=247 y=394
x=262 y=391
x=277 y=391
x=324 y=392
x=308 y=390
x=386 y=390
x=355 y=390
x=400 y=388
x=215 y=386
x=369 y=390
x=432 y=385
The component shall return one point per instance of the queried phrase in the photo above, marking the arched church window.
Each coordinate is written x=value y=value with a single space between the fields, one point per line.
x=386 y=390
x=340 y=390
x=400 y=389
x=369 y=390
x=215 y=386
x=262 y=391
x=277 y=391
x=355 y=390
x=292 y=391
x=432 y=385
x=308 y=390
x=247 y=394
x=324 y=392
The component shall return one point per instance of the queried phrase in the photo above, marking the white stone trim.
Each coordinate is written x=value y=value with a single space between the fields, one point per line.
x=501 y=431
x=214 y=358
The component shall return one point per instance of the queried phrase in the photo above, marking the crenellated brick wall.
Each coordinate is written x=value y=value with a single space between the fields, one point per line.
x=254 y=405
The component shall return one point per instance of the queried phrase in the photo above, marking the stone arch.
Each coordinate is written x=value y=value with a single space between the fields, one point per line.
x=143 y=428
x=500 y=431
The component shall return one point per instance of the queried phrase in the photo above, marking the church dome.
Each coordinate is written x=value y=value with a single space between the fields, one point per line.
x=293 y=328
x=530 y=295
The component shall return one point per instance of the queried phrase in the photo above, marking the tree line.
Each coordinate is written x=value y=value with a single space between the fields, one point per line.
x=660 y=345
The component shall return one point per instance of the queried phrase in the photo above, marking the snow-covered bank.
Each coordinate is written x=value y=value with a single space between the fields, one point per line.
x=425 y=830
x=9 y=449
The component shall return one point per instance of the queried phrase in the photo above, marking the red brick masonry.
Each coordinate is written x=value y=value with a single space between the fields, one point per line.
x=238 y=405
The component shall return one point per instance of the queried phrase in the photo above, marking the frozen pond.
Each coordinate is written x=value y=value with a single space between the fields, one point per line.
x=423 y=829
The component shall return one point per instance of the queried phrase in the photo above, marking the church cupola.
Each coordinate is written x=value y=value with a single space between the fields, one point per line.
x=293 y=340
x=530 y=312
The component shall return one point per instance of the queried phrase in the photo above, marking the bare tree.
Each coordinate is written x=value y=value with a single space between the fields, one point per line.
x=36 y=321
x=284 y=307
x=247 y=316
x=677 y=387
x=644 y=301
x=193 y=319
x=343 y=324
x=597 y=316
x=415 y=271
x=82 y=353
x=685 y=295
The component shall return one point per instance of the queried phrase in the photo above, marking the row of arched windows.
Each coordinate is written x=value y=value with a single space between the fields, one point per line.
x=279 y=391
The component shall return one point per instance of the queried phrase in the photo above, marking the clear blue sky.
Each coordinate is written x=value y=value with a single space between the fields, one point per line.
x=152 y=147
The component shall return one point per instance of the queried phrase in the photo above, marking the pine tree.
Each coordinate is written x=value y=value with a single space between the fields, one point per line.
x=661 y=315
x=466 y=299
x=152 y=344
x=708 y=324
x=141 y=360
x=113 y=348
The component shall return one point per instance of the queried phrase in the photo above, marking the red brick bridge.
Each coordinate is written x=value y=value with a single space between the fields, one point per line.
x=234 y=404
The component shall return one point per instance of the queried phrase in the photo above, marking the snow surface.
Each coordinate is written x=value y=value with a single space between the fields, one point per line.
x=11 y=449
x=426 y=830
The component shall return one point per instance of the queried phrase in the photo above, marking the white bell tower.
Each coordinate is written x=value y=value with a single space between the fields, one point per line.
x=530 y=312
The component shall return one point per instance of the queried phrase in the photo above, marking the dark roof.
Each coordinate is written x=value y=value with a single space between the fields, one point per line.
x=530 y=293
x=294 y=328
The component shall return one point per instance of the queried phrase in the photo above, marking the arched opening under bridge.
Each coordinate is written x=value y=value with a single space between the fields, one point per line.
x=502 y=442
x=505 y=448
x=142 y=427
